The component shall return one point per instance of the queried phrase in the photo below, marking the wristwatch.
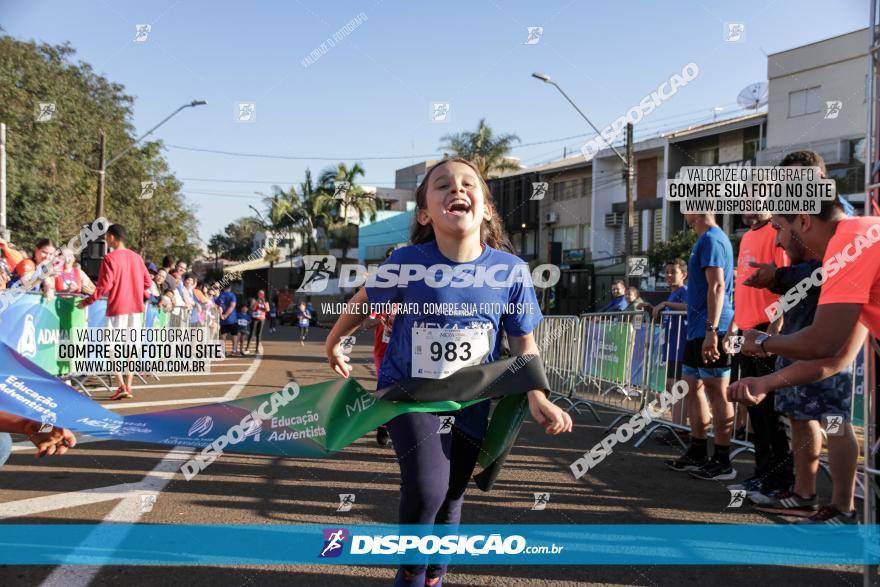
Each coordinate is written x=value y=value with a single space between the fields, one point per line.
x=759 y=340
x=711 y=327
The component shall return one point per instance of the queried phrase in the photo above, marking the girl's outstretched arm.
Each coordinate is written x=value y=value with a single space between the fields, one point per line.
x=547 y=414
x=352 y=317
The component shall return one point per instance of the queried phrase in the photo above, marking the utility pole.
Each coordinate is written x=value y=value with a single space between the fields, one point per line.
x=629 y=176
x=4 y=232
x=102 y=172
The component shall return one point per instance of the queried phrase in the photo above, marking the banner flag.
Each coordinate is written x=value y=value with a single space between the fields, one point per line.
x=312 y=421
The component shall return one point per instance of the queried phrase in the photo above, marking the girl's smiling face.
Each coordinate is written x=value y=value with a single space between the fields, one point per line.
x=455 y=203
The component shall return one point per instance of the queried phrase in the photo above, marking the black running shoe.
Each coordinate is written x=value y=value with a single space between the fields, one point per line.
x=789 y=503
x=382 y=436
x=686 y=462
x=715 y=470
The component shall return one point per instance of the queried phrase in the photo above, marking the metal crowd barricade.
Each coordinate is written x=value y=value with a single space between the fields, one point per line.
x=560 y=341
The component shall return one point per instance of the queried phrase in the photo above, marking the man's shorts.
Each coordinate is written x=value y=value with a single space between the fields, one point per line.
x=229 y=329
x=695 y=367
x=831 y=396
x=125 y=321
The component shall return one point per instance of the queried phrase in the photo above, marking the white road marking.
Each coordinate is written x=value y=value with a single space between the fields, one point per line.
x=129 y=510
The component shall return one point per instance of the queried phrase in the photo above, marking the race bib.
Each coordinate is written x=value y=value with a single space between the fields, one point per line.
x=386 y=334
x=303 y=322
x=439 y=352
x=242 y=322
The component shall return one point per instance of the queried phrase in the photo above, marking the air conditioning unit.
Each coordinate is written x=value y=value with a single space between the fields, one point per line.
x=614 y=219
x=551 y=217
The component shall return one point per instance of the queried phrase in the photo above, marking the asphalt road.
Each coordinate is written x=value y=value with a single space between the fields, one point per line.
x=104 y=481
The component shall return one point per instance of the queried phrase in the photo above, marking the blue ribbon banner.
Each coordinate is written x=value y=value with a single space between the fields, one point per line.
x=654 y=544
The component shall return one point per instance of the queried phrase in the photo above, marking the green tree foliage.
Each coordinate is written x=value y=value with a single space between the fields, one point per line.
x=235 y=243
x=51 y=165
x=483 y=148
x=679 y=246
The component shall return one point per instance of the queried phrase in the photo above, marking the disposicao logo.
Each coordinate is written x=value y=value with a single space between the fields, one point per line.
x=201 y=426
x=27 y=342
x=334 y=539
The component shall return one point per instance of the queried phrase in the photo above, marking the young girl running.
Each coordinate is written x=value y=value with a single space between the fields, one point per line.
x=456 y=227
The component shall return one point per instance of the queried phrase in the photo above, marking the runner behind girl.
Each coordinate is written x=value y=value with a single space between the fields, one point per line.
x=456 y=226
x=303 y=318
x=258 y=315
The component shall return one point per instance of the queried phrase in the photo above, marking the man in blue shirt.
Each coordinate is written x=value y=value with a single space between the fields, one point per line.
x=228 y=315
x=710 y=307
x=618 y=301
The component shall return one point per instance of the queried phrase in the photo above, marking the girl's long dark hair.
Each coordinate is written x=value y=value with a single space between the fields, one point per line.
x=491 y=231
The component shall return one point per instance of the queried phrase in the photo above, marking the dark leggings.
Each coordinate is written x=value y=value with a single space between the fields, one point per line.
x=434 y=471
x=257 y=327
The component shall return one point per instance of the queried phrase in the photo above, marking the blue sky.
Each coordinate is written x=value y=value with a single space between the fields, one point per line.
x=370 y=94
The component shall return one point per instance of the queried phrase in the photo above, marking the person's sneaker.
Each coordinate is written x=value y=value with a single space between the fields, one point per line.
x=686 y=462
x=121 y=393
x=829 y=514
x=789 y=503
x=715 y=470
x=748 y=485
x=382 y=436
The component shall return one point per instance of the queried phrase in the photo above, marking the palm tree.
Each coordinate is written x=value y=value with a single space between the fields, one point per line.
x=337 y=205
x=485 y=150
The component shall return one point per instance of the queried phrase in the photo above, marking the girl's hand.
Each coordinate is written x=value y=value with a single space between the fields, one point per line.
x=337 y=358
x=551 y=417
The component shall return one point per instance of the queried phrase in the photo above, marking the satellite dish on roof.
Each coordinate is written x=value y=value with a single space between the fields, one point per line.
x=753 y=96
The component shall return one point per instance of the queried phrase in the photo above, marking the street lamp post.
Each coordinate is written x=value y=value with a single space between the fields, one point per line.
x=96 y=250
x=628 y=169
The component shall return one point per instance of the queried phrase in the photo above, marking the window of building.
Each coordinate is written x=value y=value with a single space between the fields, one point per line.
x=750 y=149
x=568 y=189
x=804 y=102
x=707 y=156
x=585 y=241
x=568 y=236
x=646 y=178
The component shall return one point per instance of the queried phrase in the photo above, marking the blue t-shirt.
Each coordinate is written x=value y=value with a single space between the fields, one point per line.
x=224 y=300
x=617 y=304
x=712 y=249
x=244 y=321
x=501 y=300
x=675 y=326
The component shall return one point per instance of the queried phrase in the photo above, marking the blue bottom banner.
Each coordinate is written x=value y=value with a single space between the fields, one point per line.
x=645 y=544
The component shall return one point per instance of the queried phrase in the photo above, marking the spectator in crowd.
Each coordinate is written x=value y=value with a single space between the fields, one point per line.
x=273 y=316
x=634 y=301
x=244 y=327
x=773 y=460
x=618 y=301
x=34 y=272
x=808 y=405
x=9 y=255
x=181 y=266
x=69 y=278
x=228 y=315
x=674 y=328
x=259 y=308
x=850 y=294
x=168 y=266
x=124 y=279
x=709 y=309
x=303 y=319
x=54 y=442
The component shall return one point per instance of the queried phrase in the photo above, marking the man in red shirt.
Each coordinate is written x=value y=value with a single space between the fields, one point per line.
x=124 y=279
x=773 y=460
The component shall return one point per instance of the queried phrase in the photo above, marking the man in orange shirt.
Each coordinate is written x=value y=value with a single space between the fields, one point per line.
x=773 y=462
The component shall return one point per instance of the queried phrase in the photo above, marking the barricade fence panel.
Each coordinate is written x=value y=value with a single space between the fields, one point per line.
x=34 y=325
x=625 y=360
